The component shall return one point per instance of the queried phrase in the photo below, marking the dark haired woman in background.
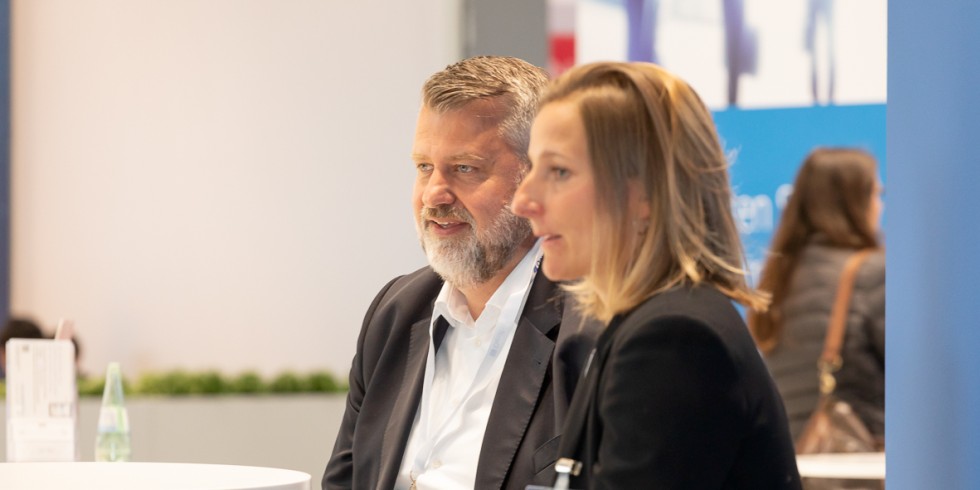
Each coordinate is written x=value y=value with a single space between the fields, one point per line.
x=834 y=210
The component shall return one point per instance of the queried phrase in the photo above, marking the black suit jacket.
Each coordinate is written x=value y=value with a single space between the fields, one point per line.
x=677 y=397
x=386 y=378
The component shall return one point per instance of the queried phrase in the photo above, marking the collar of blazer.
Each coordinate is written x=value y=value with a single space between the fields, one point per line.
x=524 y=373
x=533 y=346
x=543 y=311
x=544 y=305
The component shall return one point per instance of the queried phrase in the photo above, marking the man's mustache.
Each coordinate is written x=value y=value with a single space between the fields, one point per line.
x=446 y=212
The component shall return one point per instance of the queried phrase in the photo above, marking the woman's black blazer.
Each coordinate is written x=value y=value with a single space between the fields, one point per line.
x=677 y=396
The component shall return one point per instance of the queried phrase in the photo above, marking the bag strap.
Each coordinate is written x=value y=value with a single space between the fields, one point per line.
x=830 y=360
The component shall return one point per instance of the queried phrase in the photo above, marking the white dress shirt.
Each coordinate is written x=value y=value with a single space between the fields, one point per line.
x=460 y=383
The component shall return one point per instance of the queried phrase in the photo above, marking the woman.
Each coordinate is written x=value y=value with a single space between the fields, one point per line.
x=834 y=210
x=629 y=193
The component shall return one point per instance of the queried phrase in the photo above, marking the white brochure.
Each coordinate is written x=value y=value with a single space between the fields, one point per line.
x=41 y=400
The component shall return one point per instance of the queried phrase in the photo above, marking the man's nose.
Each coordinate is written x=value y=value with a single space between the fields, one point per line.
x=437 y=191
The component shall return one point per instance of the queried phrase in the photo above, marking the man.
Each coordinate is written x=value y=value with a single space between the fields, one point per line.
x=462 y=375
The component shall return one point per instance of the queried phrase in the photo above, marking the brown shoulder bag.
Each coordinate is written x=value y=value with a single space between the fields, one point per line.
x=834 y=427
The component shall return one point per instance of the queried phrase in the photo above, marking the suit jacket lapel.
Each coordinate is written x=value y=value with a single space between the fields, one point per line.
x=403 y=413
x=577 y=441
x=514 y=403
x=581 y=408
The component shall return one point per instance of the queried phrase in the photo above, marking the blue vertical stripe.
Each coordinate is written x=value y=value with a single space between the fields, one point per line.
x=933 y=309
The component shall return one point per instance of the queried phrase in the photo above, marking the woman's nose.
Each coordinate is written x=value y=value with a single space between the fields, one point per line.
x=524 y=203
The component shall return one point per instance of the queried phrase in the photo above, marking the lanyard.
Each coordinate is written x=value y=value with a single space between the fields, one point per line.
x=431 y=435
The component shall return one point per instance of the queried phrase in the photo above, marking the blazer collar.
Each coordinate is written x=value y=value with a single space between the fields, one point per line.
x=528 y=360
x=543 y=309
x=403 y=413
x=515 y=402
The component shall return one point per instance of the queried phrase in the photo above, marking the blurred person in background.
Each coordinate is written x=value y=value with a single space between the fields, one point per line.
x=629 y=192
x=16 y=328
x=834 y=211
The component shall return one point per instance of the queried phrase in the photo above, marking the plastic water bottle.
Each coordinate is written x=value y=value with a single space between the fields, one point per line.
x=112 y=441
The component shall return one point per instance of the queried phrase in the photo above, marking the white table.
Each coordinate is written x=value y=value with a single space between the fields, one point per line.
x=148 y=476
x=860 y=466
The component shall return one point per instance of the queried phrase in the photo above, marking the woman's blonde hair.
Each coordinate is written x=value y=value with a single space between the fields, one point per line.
x=831 y=200
x=648 y=129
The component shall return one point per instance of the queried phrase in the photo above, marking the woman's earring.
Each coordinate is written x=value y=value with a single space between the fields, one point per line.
x=641 y=225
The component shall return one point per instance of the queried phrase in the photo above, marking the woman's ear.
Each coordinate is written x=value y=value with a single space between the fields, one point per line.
x=639 y=202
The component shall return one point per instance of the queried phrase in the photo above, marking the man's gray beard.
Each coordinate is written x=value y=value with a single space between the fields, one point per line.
x=479 y=255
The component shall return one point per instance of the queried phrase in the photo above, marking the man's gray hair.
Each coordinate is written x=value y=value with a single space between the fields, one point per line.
x=514 y=82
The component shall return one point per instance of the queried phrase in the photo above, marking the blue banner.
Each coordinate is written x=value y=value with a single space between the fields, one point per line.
x=766 y=148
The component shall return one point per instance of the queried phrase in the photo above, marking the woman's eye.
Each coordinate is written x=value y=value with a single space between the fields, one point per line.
x=559 y=172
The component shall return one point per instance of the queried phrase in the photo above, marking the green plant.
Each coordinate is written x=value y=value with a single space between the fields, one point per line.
x=208 y=383
x=323 y=382
x=179 y=383
x=287 y=382
x=247 y=383
x=92 y=386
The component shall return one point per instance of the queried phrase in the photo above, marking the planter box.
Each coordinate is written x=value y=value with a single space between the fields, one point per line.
x=295 y=432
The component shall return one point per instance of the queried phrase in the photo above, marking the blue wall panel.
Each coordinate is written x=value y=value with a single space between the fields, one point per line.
x=767 y=146
x=933 y=310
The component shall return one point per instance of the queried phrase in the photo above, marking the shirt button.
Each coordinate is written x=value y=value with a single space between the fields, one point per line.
x=436 y=464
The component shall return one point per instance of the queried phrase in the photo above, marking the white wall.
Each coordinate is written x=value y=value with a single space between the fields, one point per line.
x=216 y=183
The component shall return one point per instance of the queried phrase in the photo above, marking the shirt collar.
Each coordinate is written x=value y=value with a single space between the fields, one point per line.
x=451 y=304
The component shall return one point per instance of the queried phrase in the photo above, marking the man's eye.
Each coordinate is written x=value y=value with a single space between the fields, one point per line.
x=465 y=169
x=424 y=167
